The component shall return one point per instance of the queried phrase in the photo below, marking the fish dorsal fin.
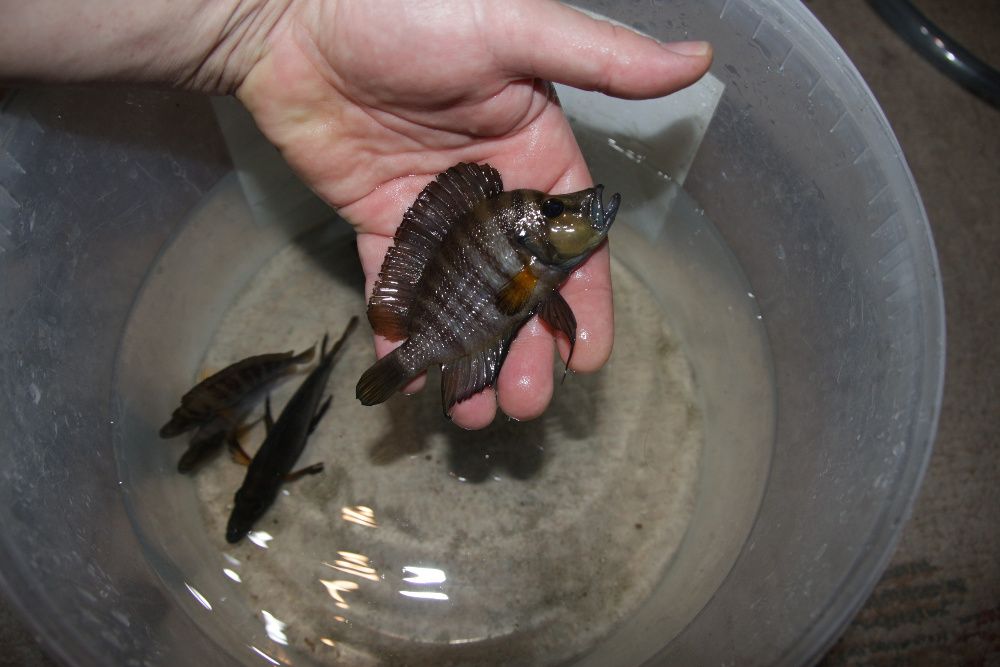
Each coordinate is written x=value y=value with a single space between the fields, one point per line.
x=451 y=195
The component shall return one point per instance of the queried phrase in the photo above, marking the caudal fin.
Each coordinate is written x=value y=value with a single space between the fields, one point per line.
x=382 y=380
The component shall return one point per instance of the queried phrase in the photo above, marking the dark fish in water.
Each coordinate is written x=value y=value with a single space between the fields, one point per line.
x=469 y=266
x=284 y=442
x=233 y=391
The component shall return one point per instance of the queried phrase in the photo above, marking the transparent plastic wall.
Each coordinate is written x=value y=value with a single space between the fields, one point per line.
x=798 y=170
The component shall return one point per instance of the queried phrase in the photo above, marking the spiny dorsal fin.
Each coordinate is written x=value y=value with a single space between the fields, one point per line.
x=446 y=199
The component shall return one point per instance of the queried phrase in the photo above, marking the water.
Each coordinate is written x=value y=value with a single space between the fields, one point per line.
x=528 y=543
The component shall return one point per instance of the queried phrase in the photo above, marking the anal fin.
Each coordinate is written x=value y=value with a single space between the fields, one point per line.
x=557 y=313
x=470 y=374
x=514 y=295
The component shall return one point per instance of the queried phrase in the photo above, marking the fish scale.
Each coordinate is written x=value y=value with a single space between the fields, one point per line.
x=470 y=264
x=457 y=305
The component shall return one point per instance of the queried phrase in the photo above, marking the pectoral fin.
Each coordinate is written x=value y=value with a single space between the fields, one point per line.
x=314 y=469
x=514 y=295
x=557 y=313
x=237 y=453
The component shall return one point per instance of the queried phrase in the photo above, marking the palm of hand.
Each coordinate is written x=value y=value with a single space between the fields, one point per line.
x=371 y=108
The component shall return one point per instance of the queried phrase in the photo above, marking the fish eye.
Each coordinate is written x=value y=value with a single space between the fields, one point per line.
x=552 y=208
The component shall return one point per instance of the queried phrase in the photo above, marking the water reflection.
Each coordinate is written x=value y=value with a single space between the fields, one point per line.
x=264 y=655
x=260 y=538
x=356 y=564
x=424 y=595
x=337 y=588
x=424 y=576
x=359 y=514
x=274 y=627
x=196 y=594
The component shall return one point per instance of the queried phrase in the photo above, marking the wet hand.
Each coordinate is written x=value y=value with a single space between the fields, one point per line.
x=369 y=101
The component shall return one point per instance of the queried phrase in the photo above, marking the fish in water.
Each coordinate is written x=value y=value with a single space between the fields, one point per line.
x=470 y=264
x=284 y=442
x=210 y=437
x=233 y=391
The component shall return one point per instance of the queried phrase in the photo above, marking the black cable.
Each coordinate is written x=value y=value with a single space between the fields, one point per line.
x=941 y=50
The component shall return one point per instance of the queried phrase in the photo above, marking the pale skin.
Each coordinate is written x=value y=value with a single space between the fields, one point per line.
x=369 y=99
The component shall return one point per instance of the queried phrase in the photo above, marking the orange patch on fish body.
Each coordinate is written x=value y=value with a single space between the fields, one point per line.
x=515 y=294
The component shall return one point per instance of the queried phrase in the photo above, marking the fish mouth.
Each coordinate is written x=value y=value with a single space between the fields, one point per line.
x=603 y=217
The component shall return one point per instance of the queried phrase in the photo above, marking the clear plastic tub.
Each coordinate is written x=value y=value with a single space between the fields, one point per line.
x=801 y=322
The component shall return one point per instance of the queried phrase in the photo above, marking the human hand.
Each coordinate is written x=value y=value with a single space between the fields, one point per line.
x=368 y=101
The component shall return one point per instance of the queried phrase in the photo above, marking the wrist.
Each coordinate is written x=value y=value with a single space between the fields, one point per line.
x=233 y=40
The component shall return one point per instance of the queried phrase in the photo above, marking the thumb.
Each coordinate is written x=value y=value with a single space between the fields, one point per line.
x=551 y=41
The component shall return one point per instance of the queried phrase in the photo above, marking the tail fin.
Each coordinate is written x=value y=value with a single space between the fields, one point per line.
x=382 y=380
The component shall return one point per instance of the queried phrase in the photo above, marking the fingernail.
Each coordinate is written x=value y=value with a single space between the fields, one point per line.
x=690 y=49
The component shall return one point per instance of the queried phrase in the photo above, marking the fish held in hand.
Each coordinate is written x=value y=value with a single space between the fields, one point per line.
x=233 y=391
x=470 y=264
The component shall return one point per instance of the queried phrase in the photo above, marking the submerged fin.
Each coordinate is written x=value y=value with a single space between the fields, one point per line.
x=382 y=380
x=305 y=356
x=352 y=324
x=314 y=469
x=470 y=374
x=268 y=416
x=446 y=199
x=238 y=454
x=513 y=296
x=202 y=447
x=557 y=313
x=319 y=414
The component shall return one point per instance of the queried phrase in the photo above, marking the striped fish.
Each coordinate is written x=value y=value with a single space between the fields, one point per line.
x=470 y=265
x=232 y=392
